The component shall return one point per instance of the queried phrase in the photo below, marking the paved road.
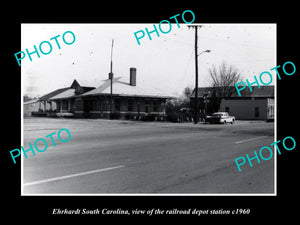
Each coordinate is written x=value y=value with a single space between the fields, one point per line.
x=120 y=157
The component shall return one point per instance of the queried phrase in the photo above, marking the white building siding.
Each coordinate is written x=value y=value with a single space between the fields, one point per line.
x=246 y=109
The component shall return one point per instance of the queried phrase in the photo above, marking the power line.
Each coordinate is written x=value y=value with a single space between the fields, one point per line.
x=181 y=42
x=186 y=68
x=236 y=43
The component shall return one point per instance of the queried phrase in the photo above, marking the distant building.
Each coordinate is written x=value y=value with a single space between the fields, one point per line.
x=129 y=98
x=255 y=105
x=30 y=106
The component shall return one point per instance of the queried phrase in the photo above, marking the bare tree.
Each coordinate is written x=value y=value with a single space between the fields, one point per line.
x=223 y=79
x=183 y=101
x=26 y=98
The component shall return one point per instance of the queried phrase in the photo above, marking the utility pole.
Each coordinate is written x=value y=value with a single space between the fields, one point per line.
x=196 y=70
x=196 y=80
x=196 y=113
x=111 y=75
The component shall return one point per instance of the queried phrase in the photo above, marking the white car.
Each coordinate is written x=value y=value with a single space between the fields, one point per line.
x=220 y=117
x=64 y=113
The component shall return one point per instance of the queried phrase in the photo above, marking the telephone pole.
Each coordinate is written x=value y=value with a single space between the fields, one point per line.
x=111 y=75
x=196 y=70
x=196 y=113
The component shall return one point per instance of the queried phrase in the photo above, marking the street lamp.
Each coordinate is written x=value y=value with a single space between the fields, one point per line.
x=208 y=51
x=196 y=83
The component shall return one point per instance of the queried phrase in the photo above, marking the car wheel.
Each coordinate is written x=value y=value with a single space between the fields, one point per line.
x=224 y=122
x=232 y=121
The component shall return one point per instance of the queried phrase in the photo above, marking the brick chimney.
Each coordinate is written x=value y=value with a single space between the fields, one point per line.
x=132 y=80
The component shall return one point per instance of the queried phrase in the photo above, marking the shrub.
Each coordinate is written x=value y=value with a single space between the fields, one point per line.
x=115 y=116
x=148 y=117
x=172 y=118
x=129 y=116
x=153 y=117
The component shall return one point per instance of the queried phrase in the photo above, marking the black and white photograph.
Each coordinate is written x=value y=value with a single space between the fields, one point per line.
x=149 y=111
x=134 y=122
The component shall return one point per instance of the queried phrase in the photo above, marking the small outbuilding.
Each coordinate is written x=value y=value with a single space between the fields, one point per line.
x=30 y=106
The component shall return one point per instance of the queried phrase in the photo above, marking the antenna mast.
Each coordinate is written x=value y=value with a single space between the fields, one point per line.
x=111 y=54
x=111 y=75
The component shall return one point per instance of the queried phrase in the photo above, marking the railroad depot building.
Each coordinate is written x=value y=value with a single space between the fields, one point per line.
x=129 y=97
x=255 y=105
x=58 y=100
x=65 y=98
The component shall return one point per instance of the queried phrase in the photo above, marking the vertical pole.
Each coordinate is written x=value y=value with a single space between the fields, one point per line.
x=206 y=106
x=138 y=105
x=111 y=95
x=111 y=77
x=196 y=81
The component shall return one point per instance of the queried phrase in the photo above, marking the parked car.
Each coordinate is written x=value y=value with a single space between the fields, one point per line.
x=64 y=113
x=220 y=117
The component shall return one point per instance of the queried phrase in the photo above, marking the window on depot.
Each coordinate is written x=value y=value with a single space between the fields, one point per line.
x=146 y=106
x=117 y=105
x=130 y=105
x=64 y=105
x=155 y=106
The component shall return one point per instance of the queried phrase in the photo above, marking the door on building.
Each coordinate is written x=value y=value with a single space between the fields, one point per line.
x=86 y=107
x=256 y=112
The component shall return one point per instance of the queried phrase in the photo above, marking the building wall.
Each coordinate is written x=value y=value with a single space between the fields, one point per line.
x=64 y=104
x=271 y=108
x=36 y=106
x=146 y=105
x=28 y=108
x=48 y=107
x=247 y=109
x=99 y=106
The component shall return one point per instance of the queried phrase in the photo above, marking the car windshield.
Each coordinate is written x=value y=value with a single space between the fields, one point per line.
x=217 y=114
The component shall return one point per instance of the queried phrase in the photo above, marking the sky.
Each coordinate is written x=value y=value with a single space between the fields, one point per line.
x=166 y=62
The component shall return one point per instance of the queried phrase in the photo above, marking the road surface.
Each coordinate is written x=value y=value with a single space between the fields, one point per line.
x=132 y=157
